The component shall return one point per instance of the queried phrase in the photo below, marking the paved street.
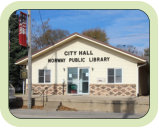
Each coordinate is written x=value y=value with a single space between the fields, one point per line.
x=35 y=113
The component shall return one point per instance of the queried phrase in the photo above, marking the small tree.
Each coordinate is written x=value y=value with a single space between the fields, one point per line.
x=43 y=35
x=97 y=34
x=131 y=49
x=147 y=54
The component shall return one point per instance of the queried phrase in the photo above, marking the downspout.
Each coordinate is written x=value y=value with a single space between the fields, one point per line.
x=139 y=76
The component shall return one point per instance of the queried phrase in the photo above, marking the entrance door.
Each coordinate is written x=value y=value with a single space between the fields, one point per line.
x=72 y=80
x=83 y=80
x=78 y=80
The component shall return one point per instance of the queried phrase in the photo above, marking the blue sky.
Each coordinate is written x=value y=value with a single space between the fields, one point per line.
x=126 y=27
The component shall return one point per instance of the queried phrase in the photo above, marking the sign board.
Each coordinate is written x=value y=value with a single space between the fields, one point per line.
x=92 y=57
x=70 y=75
x=23 y=73
x=100 y=79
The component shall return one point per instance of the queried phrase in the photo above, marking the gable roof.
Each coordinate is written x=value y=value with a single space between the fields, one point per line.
x=73 y=36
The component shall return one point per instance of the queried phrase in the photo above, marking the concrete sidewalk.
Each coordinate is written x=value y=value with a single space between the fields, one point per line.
x=138 y=105
x=87 y=98
x=26 y=113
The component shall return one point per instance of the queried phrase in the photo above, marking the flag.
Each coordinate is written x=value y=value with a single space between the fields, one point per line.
x=22 y=29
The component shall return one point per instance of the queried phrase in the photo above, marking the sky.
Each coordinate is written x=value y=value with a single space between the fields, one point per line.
x=124 y=27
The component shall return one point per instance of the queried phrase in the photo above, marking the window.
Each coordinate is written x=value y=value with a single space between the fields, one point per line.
x=118 y=75
x=111 y=75
x=44 y=76
x=41 y=76
x=114 y=75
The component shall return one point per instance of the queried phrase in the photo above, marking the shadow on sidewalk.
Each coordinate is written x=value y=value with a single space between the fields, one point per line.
x=119 y=107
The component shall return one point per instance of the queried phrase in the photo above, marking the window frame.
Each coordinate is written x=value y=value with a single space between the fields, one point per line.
x=114 y=76
x=44 y=76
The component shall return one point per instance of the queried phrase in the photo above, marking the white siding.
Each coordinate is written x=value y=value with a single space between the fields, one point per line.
x=117 y=60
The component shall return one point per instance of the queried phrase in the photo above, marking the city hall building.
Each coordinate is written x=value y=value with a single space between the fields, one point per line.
x=80 y=65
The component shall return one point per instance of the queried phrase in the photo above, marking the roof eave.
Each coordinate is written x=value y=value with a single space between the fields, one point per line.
x=23 y=61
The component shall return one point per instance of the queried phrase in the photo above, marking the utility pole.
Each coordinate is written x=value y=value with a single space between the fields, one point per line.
x=29 y=62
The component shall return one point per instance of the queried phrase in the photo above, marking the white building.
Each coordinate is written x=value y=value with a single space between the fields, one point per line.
x=81 y=65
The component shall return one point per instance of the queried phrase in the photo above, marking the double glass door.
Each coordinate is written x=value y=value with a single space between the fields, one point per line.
x=78 y=80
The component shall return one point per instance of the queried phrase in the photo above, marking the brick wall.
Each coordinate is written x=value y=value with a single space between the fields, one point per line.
x=95 y=89
x=113 y=90
x=50 y=89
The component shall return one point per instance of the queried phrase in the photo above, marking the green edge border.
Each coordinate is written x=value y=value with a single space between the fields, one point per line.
x=79 y=5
